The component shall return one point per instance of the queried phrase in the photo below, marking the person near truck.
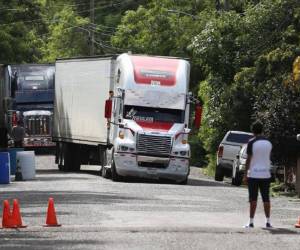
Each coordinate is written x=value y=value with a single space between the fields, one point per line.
x=18 y=134
x=258 y=176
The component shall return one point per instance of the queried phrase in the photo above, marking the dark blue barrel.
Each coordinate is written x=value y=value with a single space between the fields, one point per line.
x=13 y=159
x=4 y=168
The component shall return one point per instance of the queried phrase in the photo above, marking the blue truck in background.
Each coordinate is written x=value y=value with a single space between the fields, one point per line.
x=27 y=95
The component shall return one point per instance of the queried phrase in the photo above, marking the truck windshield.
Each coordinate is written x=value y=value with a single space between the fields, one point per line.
x=151 y=115
x=29 y=82
x=29 y=77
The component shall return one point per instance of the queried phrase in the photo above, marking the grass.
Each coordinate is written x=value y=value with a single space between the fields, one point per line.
x=281 y=189
x=211 y=167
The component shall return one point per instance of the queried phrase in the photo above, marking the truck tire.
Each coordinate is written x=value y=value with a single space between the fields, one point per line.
x=76 y=154
x=67 y=158
x=104 y=172
x=59 y=156
x=114 y=174
x=219 y=175
x=71 y=157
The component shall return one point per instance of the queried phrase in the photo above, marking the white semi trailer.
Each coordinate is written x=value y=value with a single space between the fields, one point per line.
x=128 y=113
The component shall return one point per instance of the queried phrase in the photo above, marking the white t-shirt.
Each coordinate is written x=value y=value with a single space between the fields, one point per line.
x=260 y=149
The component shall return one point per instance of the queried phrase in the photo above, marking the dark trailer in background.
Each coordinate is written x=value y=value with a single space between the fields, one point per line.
x=28 y=95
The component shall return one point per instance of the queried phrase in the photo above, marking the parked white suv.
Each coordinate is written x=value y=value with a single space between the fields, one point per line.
x=239 y=167
x=227 y=152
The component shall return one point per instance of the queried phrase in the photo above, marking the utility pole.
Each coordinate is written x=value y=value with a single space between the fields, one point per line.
x=218 y=5
x=92 y=20
x=226 y=5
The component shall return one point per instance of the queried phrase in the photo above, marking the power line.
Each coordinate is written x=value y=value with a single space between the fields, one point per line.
x=102 y=25
x=78 y=12
x=92 y=19
x=29 y=21
x=105 y=46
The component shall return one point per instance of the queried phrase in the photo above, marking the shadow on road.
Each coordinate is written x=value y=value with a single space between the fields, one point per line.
x=208 y=183
x=35 y=241
x=281 y=231
x=191 y=181
x=37 y=198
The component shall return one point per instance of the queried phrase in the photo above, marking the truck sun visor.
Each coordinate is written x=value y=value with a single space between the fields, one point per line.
x=155 y=70
x=154 y=98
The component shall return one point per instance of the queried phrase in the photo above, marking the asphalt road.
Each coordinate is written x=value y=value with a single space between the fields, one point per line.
x=97 y=213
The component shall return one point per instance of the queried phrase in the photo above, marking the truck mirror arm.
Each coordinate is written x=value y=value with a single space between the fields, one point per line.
x=194 y=100
x=121 y=125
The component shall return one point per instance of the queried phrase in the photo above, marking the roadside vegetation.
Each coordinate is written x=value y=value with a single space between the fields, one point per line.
x=241 y=52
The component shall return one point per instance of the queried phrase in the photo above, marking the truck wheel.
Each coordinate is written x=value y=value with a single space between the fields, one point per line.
x=67 y=158
x=219 y=175
x=76 y=153
x=114 y=174
x=59 y=156
x=106 y=172
x=71 y=158
x=60 y=167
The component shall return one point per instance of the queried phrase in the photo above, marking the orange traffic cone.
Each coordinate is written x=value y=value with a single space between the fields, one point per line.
x=298 y=224
x=51 y=220
x=16 y=215
x=7 y=221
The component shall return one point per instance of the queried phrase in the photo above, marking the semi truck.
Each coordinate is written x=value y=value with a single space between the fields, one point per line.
x=127 y=113
x=27 y=95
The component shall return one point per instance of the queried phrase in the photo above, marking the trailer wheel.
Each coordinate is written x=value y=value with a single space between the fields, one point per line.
x=60 y=167
x=76 y=154
x=59 y=156
x=67 y=158
x=71 y=157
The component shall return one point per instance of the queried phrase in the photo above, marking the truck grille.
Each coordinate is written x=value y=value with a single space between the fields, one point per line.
x=154 y=145
x=38 y=125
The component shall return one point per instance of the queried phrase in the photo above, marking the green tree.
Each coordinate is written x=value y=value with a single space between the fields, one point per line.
x=20 y=23
x=67 y=33
x=247 y=59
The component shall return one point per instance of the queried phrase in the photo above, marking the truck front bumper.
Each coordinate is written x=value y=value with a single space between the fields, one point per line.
x=173 y=168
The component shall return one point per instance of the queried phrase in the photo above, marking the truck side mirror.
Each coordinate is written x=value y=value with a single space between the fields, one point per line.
x=198 y=116
x=14 y=85
x=108 y=109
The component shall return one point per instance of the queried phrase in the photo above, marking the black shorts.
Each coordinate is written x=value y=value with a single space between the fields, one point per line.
x=264 y=187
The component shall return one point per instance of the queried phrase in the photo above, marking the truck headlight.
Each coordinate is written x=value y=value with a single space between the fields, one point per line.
x=124 y=148
x=183 y=153
x=121 y=134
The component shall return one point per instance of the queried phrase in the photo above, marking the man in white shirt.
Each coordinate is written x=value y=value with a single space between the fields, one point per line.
x=258 y=172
